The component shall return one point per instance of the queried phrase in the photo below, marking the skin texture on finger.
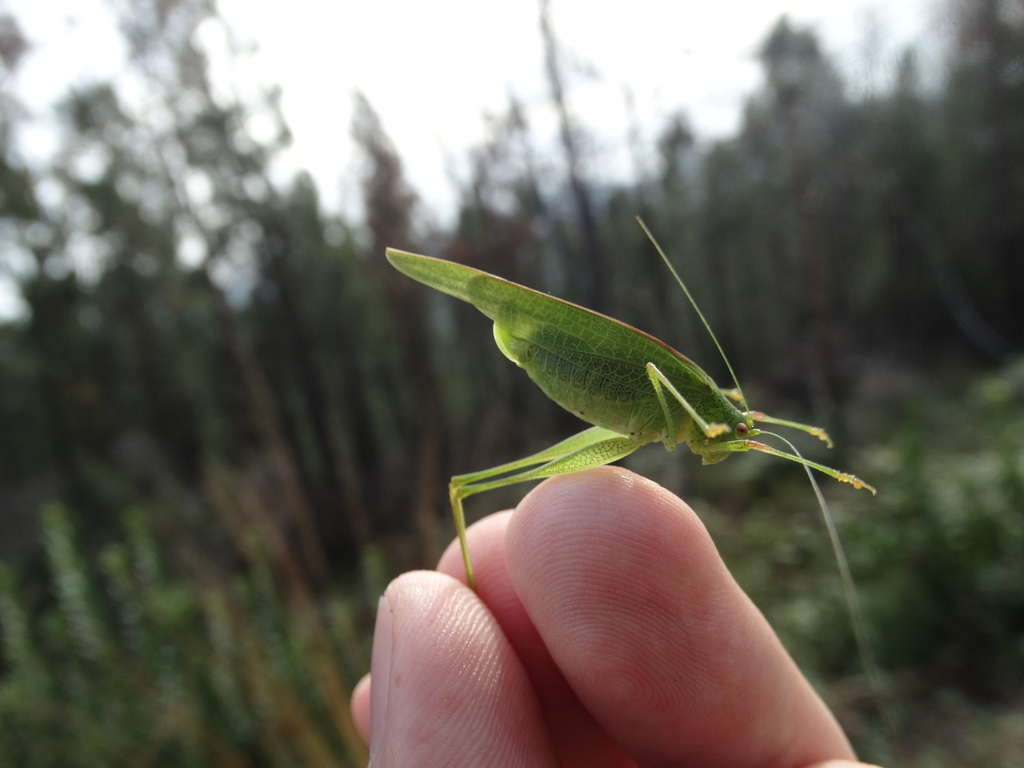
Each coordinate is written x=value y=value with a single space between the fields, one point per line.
x=657 y=640
x=447 y=687
x=578 y=740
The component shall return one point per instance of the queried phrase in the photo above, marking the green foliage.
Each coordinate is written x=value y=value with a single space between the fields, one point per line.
x=936 y=557
x=955 y=604
x=171 y=670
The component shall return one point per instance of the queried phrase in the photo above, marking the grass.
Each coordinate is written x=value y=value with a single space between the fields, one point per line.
x=123 y=664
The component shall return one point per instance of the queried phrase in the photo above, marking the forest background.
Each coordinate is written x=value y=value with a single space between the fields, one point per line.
x=226 y=423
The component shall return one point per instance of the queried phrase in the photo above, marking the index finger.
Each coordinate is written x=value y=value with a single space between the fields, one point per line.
x=652 y=633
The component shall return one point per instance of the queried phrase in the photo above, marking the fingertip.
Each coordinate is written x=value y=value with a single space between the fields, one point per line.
x=614 y=526
x=453 y=691
x=638 y=610
x=578 y=740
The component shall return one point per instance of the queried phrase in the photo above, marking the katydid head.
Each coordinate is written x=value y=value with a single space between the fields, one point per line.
x=745 y=428
x=716 y=441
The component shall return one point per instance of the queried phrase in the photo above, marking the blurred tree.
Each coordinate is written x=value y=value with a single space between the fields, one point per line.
x=389 y=204
x=985 y=106
x=590 y=271
x=798 y=120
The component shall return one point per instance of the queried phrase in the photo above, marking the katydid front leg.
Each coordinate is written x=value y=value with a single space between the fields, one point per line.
x=716 y=451
x=660 y=382
x=719 y=451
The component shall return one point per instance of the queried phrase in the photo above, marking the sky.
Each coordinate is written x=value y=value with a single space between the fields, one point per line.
x=433 y=71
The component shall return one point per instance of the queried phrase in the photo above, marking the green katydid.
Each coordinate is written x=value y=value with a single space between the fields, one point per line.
x=633 y=388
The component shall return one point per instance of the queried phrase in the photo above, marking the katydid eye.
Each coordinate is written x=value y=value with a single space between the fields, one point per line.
x=742 y=429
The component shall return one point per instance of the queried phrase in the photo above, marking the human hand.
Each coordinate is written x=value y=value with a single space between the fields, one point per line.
x=606 y=632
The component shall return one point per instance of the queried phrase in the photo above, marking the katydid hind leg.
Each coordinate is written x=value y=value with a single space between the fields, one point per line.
x=570 y=444
x=460 y=530
x=593 y=447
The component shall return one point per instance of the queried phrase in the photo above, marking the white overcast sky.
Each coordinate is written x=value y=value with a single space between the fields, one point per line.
x=432 y=69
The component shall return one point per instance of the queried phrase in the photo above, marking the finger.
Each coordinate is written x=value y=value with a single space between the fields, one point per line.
x=447 y=687
x=660 y=644
x=578 y=740
x=360 y=706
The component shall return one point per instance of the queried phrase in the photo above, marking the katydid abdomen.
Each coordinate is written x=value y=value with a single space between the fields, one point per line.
x=613 y=392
